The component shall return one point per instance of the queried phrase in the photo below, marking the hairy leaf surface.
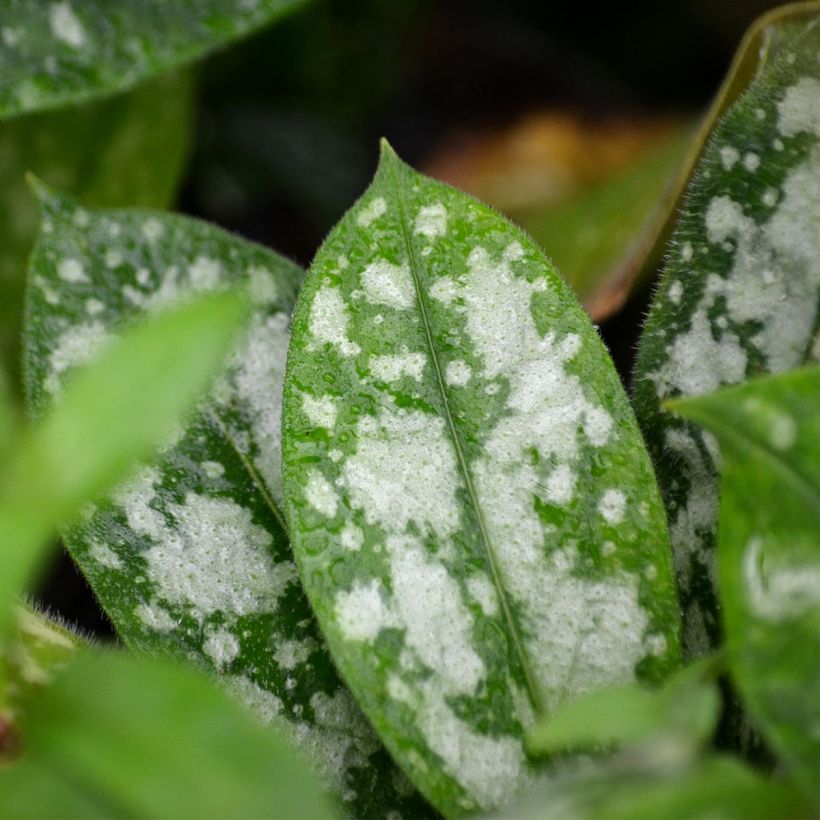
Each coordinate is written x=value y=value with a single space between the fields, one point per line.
x=474 y=515
x=54 y=52
x=739 y=296
x=191 y=557
x=127 y=737
x=769 y=553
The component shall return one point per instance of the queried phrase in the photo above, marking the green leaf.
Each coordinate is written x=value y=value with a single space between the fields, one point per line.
x=685 y=709
x=473 y=512
x=65 y=51
x=191 y=558
x=769 y=553
x=740 y=294
x=715 y=787
x=126 y=737
x=127 y=150
x=112 y=414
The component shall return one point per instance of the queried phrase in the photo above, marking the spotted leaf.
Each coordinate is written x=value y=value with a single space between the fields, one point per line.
x=769 y=553
x=473 y=512
x=191 y=558
x=739 y=296
x=65 y=51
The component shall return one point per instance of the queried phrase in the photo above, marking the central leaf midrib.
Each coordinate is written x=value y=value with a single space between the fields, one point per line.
x=520 y=651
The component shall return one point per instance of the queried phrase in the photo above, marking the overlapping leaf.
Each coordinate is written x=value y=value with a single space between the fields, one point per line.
x=769 y=553
x=740 y=293
x=191 y=558
x=474 y=515
x=54 y=52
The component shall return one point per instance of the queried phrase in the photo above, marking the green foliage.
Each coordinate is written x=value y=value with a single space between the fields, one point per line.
x=469 y=497
x=769 y=554
x=191 y=558
x=128 y=737
x=739 y=296
x=64 y=51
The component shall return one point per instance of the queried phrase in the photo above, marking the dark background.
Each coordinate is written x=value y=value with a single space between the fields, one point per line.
x=289 y=120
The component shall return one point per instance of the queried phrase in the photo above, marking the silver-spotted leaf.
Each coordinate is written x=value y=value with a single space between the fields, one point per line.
x=740 y=293
x=191 y=558
x=55 y=52
x=769 y=553
x=474 y=515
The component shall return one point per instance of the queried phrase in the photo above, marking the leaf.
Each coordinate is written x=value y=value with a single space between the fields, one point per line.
x=478 y=531
x=65 y=51
x=769 y=553
x=126 y=737
x=191 y=558
x=739 y=296
x=112 y=414
x=716 y=787
x=127 y=150
x=685 y=710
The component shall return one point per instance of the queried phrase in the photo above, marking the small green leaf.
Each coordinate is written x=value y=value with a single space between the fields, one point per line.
x=112 y=414
x=127 y=150
x=685 y=709
x=740 y=294
x=473 y=512
x=769 y=553
x=66 y=51
x=124 y=737
x=191 y=558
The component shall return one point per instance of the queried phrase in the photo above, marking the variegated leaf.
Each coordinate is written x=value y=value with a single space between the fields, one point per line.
x=473 y=512
x=740 y=294
x=191 y=557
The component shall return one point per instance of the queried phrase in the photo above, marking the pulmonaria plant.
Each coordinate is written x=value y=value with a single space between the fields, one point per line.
x=412 y=525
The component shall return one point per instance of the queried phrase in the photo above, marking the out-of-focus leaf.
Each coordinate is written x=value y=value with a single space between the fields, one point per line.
x=740 y=293
x=471 y=506
x=66 y=51
x=126 y=737
x=715 y=787
x=191 y=558
x=685 y=709
x=111 y=414
x=127 y=150
x=769 y=553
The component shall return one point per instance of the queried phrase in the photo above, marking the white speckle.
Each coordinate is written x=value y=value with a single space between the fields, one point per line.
x=77 y=346
x=156 y=618
x=152 y=229
x=65 y=26
x=608 y=548
x=778 y=144
x=321 y=412
x=444 y=290
x=483 y=593
x=728 y=157
x=204 y=273
x=11 y=36
x=143 y=277
x=560 y=485
x=675 y=292
x=799 y=110
x=362 y=612
x=686 y=252
x=769 y=197
x=329 y=320
x=335 y=455
x=373 y=210
x=81 y=217
x=262 y=286
x=656 y=644
x=289 y=654
x=222 y=647
x=213 y=469
x=431 y=221
x=760 y=114
x=751 y=161
x=264 y=705
x=94 y=306
x=113 y=258
x=320 y=494
x=104 y=555
x=612 y=506
x=351 y=537
x=71 y=270
x=457 y=373
x=391 y=368
x=388 y=284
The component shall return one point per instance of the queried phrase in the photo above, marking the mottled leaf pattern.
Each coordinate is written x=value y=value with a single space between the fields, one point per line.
x=54 y=52
x=475 y=518
x=191 y=557
x=739 y=296
x=769 y=553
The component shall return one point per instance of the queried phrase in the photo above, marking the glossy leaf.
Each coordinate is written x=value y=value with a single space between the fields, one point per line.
x=473 y=513
x=66 y=51
x=127 y=150
x=769 y=553
x=112 y=414
x=685 y=710
x=126 y=737
x=191 y=558
x=739 y=296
